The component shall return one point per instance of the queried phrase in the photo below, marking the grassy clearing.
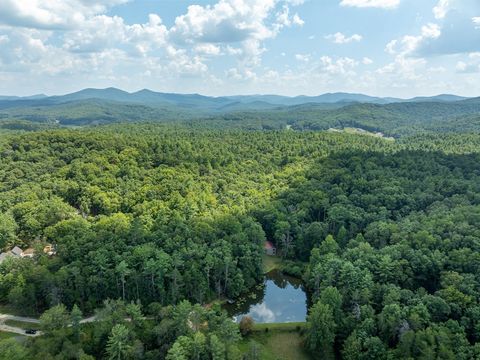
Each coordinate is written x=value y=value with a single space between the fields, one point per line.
x=280 y=342
x=22 y=324
x=271 y=263
x=293 y=326
x=7 y=335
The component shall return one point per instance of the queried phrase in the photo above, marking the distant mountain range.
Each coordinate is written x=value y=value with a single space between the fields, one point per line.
x=338 y=110
x=223 y=103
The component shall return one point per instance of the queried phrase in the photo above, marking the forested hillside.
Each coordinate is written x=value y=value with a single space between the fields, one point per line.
x=394 y=117
x=384 y=233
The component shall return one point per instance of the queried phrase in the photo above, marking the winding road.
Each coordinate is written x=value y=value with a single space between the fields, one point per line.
x=17 y=330
x=21 y=331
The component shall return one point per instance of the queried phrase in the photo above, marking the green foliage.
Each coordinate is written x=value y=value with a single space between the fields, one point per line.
x=321 y=329
x=55 y=319
x=11 y=349
x=168 y=216
x=8 y=230
x=118 y=345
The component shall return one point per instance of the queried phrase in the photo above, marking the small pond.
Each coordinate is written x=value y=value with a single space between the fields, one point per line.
x=280 y=298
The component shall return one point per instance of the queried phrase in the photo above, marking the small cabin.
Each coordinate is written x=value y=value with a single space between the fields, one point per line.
x=269 y=248
x=16 y=251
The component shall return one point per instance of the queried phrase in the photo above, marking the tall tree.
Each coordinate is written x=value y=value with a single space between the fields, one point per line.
x=321 y=330
x=118 y=345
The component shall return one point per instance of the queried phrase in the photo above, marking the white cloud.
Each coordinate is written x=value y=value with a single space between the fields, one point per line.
x=465 y=68
x=384 y=4
x=104 y=32
x=470 y=65
x=441 y=9
x=285 y=20
x=431 y=31
x=230 y=21
x=339 y=38
x=456 y=32
x=80 y=35
x=208 y=49
x=51 y=14
x=243 y=23
x=303 y=57
x=391 y=47
x=409 y=44
x=367 y=61
x=341 y=66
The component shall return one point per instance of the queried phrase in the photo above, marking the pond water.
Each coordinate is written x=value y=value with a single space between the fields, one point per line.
x=280 y=298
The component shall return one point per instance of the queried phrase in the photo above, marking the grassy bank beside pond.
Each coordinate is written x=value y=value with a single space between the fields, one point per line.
x=288 y=267
x=293 y=326
x=271 y=263
x=280 y=342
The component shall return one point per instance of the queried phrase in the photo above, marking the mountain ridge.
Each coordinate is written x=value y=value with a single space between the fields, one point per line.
x=147 y=96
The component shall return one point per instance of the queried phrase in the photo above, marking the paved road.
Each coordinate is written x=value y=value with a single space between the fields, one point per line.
x=14 y=329
x=21 y=331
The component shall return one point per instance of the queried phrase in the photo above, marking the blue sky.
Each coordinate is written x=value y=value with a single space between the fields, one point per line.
x=400 y=48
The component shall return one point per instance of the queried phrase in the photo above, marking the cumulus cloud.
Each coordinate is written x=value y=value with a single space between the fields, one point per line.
x=339 y=38
x=208 y=49
x=341 y=66
x=409 y=44
x=458 y=31
x=441 y=9
x=48 y=14
x=230 y=21
x=104 y=32
x=82 y=34
x=242 y=25
x=383 y=4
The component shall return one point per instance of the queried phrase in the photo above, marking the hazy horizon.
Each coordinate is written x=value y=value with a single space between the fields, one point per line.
x=386 y=48
x=234 y=94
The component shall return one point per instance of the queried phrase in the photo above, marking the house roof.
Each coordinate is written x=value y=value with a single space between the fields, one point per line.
x=17 y=251
x=268 y=245
x=29 y=251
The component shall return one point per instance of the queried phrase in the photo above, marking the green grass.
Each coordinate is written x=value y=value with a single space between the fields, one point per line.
x=7 y=335
x=271 y=263
x=293 y=326
x=22 y=324
x=281 y=342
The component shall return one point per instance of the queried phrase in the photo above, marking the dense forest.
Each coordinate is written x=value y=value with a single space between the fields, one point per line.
x=153 y=222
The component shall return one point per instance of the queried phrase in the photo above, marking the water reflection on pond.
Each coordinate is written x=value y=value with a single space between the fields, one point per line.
x=278 y=299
